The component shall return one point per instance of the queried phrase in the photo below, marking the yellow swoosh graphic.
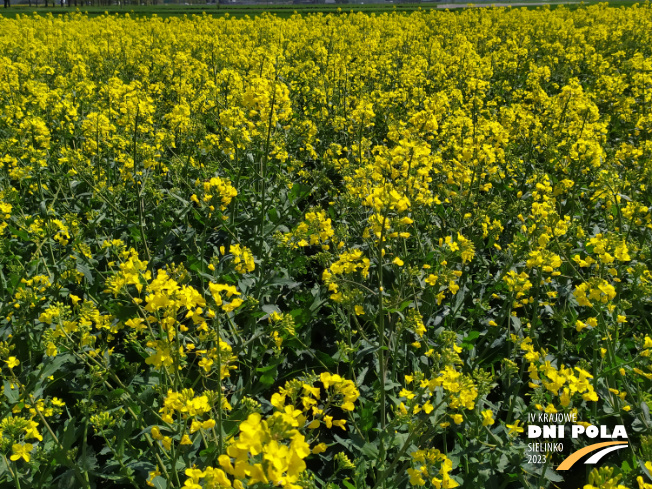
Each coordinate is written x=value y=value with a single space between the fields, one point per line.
x=574 y=457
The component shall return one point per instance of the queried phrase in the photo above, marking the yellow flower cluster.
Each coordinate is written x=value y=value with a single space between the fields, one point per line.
x=347 y=263
x=186 y=404
x=316 y=229
x=461 y=389
x=561 y=382
x=217 y=193
x=5 y=214
x=133 y=271
x=424 y=468
x=519 y=283
x=344 y=389
x=598 y=290
x=230 y=290
x=267 y=451
x=243 y=259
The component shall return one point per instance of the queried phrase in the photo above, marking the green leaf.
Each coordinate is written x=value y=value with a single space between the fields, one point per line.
x=83 y=269
x=159 y=482
x=325 y=358
x=51 y=365
x=269 y=378
x=263 y=370
x=11 y=393
x=625 y=467
x=369 y=450
x=348 y=485
x=552 y=475
x=471 y=337
x=646 y=412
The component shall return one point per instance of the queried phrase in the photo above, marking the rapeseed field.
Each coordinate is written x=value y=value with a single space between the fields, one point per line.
x=330 y=251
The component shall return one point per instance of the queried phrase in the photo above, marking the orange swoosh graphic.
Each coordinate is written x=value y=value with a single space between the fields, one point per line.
x=574 y=457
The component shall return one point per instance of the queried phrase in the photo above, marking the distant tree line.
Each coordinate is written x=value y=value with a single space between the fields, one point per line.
x=104 y=3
